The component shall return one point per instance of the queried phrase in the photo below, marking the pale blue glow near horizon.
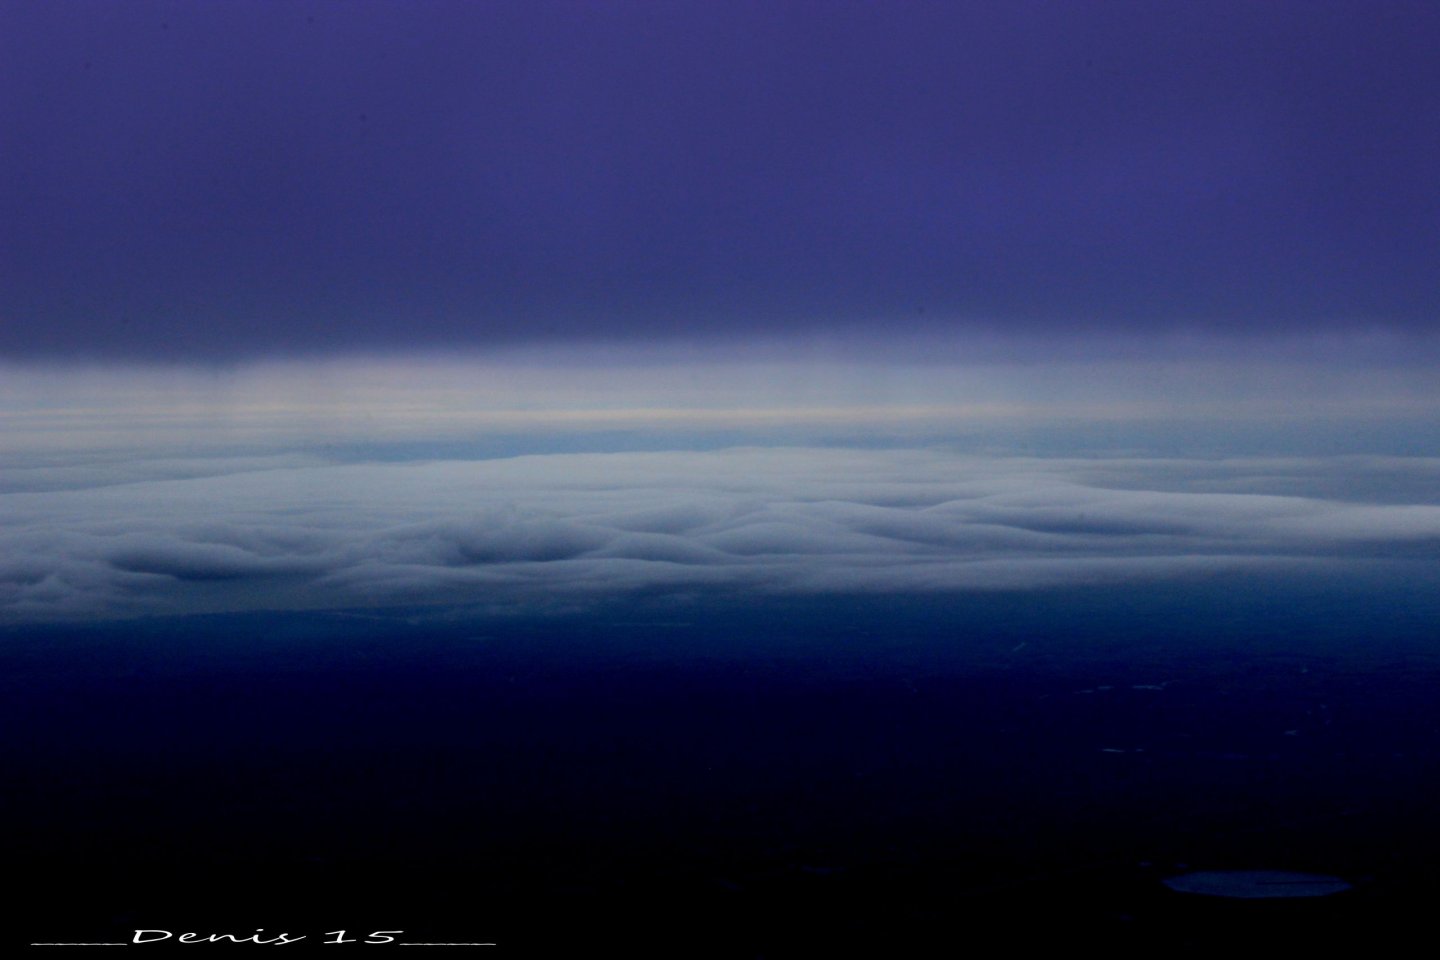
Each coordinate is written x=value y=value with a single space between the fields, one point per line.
x=302 y=404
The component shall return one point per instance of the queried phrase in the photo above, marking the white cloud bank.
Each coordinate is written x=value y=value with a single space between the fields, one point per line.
x=299 y=533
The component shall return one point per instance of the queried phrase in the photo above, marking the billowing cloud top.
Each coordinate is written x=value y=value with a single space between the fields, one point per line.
x=540 y=531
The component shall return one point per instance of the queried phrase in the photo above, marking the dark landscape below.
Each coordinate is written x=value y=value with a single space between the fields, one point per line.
x=735 y=776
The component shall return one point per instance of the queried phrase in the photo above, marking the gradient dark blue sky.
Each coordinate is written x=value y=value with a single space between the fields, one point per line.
x=215 y=180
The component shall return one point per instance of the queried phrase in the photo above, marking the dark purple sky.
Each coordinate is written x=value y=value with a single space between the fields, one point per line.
x=218 y=180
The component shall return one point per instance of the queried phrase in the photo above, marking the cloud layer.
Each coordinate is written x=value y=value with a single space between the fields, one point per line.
x=229 y=180
x=536 y=531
